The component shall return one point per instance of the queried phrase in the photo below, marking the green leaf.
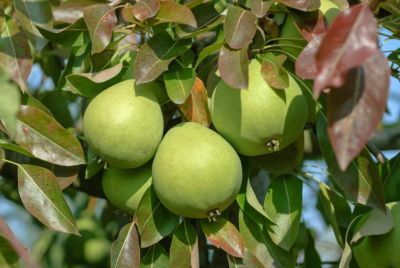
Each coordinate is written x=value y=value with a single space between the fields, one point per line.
x=64 y=36
x=224 y=235
x=125 y=251
x=42 y=197
x=145 y=9
x=91 y=84
x=311 y=256
x=46 y=139
x=283 y=204
x=391 y=178
x=179 y=84
x=2 y=156
x=100 y=20
x=15 y=148
x=29 y=100
x=170 y=11
x=184 y=251
x=154 y=221
x=8 y=257
x=248 y=260
x=155 y=257
x=15 y=55
x=156 y=54
x=261 y=245
x=31 y=13
x=211 y=49
x=233 y=66
x=94 y=164
x=240 y=27
x=9 y=105
x=360 y=181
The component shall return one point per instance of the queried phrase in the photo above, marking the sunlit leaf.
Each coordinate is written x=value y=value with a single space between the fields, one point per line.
x=145 y=9
x=70 y=11
x=9 y=104
x=15 y=54
x=224 y=235
x=283 y=204
x=153 y=220
x=184 y=251
x=100 y=20
x=233 y=66
x=195 y=108
x=125 y=251
x=156 y=54
x=171 y=11
x=42 y=197
x=248 y=260
x=240 y=27
x=179 y=84
x=46 y=139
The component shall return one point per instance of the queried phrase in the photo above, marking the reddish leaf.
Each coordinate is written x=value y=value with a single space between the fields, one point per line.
x=42 y=197
x=145 y=9
x=240 y=27
x=224 y=234
x=273 y=73
x=15 y=54
x=233 y=66
x=16 y=245
x=70 y=11
x=260 y=7
x=304 y=5
x=100 y=20
x=170 y=11
x=195 y=108
x=306 y=66
x=46 y=139
x=125 y=251
x=356 y=108
x=184 y=251
x=349 y=42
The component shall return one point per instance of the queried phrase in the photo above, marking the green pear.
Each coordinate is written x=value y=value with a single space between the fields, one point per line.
x=259 y=120
x=381 y=250
x=196 y=173
x=125 y=187
x=283 y=161
x=124 y=124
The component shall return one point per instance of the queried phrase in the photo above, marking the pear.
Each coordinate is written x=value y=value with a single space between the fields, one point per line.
x=259 y=120
x=124 y=124
x=196 y=173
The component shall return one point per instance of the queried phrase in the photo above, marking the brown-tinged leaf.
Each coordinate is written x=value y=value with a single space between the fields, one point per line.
x=349 y=42
x=31 y=14
x=65 y=175
x=125 y=251
x=195 y=108
x=145 y=9
x=156 y=54
x=42 y=197
x=273 y=72
x=306 y=65
x=15 y=245
x=100 y=20
x=9 y=104
x=356 y=108
x=153 y=220
x=360 y=181
x=303 y=5
x=224 y=235
x=233 y=66
x=155 y=257
x=15 y=54
x=248 y=260
x=70 y=11
x=240 y=26
x=170 y=11
x=91 y=84
x=260 y=7
x=184 y=251
x=46 y=139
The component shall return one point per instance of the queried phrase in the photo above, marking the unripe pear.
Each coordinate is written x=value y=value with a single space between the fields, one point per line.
x=124 y=124
x=125 y=187
x=259 y=120
x=380 y=250
x=196 y=173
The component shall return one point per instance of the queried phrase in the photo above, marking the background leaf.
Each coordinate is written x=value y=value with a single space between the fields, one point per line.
x=184 y=251
x=240 y=27
x=170 y=11
x=43 y=199
x=233 y=66
x=283 y=204
x=179 y=84
x=46 y=139
x=125 y=251
x=260 y=7
x=307 y=5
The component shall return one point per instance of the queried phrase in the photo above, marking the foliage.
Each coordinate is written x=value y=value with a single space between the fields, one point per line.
x=82 y=47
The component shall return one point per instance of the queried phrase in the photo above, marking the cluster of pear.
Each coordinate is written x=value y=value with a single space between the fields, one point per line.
x=195 y=171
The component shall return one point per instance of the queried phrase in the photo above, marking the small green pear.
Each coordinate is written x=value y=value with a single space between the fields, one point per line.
x=124 y=124
x=125 y=187
x=196 y=173
x=381 y=250
x=259 y=120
